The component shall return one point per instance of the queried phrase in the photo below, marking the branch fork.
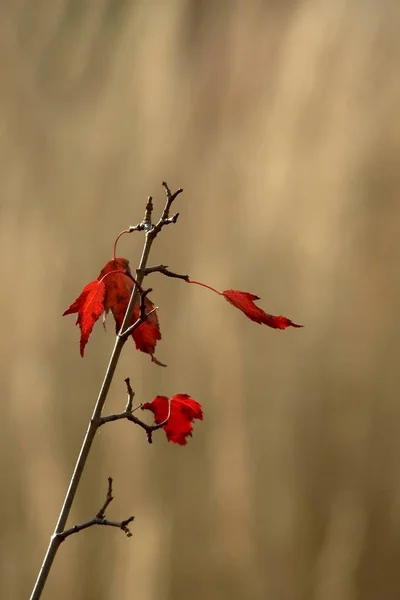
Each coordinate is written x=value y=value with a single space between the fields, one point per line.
x=99 y=519
x=165 y=219
x=143 y=316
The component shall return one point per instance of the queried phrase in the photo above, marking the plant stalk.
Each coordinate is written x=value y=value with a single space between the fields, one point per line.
x=56 y=540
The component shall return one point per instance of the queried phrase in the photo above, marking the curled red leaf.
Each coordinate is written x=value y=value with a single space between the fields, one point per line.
x=116 y=282
x=245 y=302
x=183 y=411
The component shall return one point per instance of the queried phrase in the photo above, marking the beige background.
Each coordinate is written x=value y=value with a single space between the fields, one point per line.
x=280 y=120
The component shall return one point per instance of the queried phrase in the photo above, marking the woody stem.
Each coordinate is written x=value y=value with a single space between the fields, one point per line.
x=94 y=424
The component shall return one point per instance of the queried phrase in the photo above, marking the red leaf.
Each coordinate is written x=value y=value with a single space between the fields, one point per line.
x=116 y=281
x=183 y=411
x=119 y=287
x=148 y=333
x=245 y=302
x=89 y=307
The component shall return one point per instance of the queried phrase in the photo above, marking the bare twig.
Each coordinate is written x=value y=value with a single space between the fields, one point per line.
x=129 y=416
x=131 y=395
x=142 y=315
x=165 y=271
x=142 y=305
x=138 y=227
x=125 y=334
x=151 y=233
x=165 y=218
x=146 y=224
x=109 y=498
x=100 y=519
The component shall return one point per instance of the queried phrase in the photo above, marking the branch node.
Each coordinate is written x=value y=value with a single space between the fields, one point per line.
x=142 y=315
x=99 y=519
x=163 y=269
x=146 y=223
x=129 y=416
x=138 y=227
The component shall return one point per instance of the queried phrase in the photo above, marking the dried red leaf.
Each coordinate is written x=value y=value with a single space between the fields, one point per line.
x=119 y=286
x=245 y=302
x=117 y=283
x=182 y=414
x=89 y=307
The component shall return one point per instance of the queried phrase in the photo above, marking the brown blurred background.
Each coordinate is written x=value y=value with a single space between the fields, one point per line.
x=280 y=121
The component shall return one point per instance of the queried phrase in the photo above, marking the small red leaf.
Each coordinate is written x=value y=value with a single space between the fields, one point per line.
x=89 y=307
x=245 y=302
x=183 y=411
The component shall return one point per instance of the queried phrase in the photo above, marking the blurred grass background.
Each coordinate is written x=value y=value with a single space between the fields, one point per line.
x=280 y=121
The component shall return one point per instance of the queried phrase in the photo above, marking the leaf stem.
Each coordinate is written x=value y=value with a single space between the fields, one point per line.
x=112 y=273
x=116 y=241
x=204 y=285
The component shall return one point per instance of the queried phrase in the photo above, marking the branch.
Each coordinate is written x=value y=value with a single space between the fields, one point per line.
x=144 y=225
x=151 y=233
x=129 y=416
x=165 y=271
x=100 y=519
x=131 y=395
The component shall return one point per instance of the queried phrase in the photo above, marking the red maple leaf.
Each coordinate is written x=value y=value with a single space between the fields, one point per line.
x=245 y=302
x=182 y=411
x=116 y=282
x=89 y=307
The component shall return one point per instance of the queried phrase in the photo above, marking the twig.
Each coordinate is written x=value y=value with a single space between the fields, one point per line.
x=151 y=233
x=165 y=271
x=147 y=214
x=100 y=519
x=144 y=225
x=129 y=416
x=131 y=395
x=143 y=316
x=165 y=218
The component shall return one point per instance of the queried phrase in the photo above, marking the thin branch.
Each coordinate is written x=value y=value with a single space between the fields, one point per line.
x=143 y=316
x=170 y=198
x=129 y=416
x=163 y=269
x=142 y=306
x=150 y=235
x=147 y=215
x=131 y=395
x=165 y=219
x=100 y=519
x=138 y=227
x=136 y=324
x=144 y=225
x=109 y=498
